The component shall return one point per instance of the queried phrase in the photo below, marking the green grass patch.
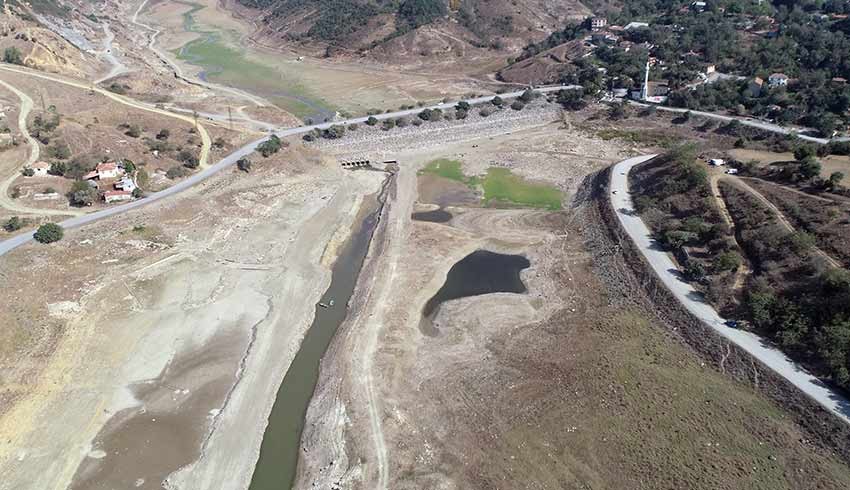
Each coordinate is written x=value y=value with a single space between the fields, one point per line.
x=449 y=169
x=503 y=187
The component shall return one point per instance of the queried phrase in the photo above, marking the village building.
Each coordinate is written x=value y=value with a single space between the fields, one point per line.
x=598 y=22
x=755 y=87
x=116 y=196
x=40 y=169
x=777 y=80
x=125 y=184
x=106 y=170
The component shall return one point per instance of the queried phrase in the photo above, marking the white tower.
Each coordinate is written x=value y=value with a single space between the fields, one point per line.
x=644 y=92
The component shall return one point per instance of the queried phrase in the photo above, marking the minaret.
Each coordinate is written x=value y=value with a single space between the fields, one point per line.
x=644 y=92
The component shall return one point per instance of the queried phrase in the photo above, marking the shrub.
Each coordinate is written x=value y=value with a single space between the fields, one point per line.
x=244 y=165
x=517 y=105
x=49 y=233
x=372 y=121
x=462 y=106
x=28 y=172
x=176 y=172
x=270 y=146
x=388 y=124
x=13 y=56
x=13 y=224
x=133 y=131
x=485 y=112
x=497 y=101
x=163 y=134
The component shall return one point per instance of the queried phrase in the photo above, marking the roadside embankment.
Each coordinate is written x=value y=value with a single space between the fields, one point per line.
x=623 y=267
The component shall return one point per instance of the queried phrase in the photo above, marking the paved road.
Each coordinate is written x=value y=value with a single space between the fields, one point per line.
x=692 y=300
x=229 y=160
x=753 y=123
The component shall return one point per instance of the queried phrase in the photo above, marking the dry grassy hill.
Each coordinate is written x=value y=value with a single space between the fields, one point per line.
x=474 y=33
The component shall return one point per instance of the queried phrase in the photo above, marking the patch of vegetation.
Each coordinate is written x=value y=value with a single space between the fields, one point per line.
x=660 y=139
x=803 y=306
x=13 y=56
x=673 y=196
x=503 y=187
x=49 y=233
x=449 y=169
x=270 y=146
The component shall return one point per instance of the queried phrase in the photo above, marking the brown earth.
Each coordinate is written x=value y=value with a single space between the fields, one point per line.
x=576 y=384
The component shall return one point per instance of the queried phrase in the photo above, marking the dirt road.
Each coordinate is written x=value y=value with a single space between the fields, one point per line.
x=5 y=200
x=742 y=185
x=206 y=142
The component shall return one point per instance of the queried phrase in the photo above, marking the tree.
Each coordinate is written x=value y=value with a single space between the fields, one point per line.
x=426 y=114
x=270 y=146
x=12 y=55
x=28 y=172
x=129 y=167
x=804 y=152
x=809 y=168
x=694 y=271
x=49 y=233
x=336 y=131
x=571 y=100
x=372 y=121
x=835 y=178
x=82 y=194
x=58 y=168
x=497 y=101
x=528 y=95
x=244 y=165
x=13 y=224
x=462 y=106
x=618 y=111
x=163 y=134
x=728 y=261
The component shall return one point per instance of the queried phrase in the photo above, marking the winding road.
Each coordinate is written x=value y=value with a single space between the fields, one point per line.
x=693 y=301
x=230 y=160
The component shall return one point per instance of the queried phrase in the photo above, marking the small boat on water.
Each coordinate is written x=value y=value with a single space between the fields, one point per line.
x=327 y=305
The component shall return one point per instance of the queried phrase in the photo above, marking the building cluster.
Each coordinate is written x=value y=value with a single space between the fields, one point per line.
x=603 y=34
x=109 y=178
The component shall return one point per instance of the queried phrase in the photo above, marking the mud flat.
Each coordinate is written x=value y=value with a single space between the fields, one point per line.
x=164 y=345
x=279 y=452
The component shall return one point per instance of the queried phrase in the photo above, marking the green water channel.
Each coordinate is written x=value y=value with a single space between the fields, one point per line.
x=278 y=462
x=223 y=61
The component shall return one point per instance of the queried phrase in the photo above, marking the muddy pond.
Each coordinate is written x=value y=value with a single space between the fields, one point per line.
x=481 y=272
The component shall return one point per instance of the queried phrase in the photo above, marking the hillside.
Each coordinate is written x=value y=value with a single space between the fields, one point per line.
x=410 y=32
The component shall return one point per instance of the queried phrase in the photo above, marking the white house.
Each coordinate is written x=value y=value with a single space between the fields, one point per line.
x=125 y=184
x=40 y=169
x=777 y=80
x=716 y=162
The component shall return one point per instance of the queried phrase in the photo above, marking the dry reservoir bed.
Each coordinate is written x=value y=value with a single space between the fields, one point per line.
x=567 y=385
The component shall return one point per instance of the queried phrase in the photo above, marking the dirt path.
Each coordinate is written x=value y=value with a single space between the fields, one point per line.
x=744 y=270
x=203 y=158
x=742 y=185
x=34 y=152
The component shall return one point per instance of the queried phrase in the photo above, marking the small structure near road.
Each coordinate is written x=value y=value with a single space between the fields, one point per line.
x=40 y=169
x=717 y=162
x=356 y=164
x=106 y=170
x=117 y=196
